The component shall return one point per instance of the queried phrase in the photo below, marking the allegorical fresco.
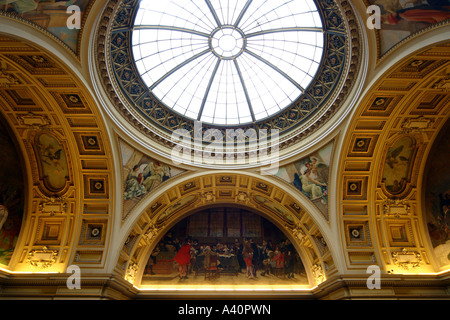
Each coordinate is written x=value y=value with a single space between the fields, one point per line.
x=53 y=162
x=142 y=174
x=49 y=14
x=310 y=176
x=399 y=159
x=401 y=18
x=11 y=196
x=437 y=196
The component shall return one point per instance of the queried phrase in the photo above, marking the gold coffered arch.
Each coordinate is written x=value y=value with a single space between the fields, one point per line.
x=301 y=223
x=405 y=109
x=47 y=105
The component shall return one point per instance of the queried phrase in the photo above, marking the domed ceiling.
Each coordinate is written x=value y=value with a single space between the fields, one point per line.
x=227 y=65
x=284 y=68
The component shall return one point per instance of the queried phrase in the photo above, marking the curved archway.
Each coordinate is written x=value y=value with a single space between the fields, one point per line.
x=47 y=100
x=403 y=110
x=282 y=206
x=217 y=215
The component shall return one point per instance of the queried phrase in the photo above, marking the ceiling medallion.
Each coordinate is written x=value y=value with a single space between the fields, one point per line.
x=227 y=42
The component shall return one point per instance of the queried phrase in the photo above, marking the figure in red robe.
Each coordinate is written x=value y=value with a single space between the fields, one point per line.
x=427 y=14
x=183 y=258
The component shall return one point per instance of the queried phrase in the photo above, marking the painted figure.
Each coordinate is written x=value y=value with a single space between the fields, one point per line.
x=134 y=187
x=183 y=258
x=247 y=254
x=3 y=215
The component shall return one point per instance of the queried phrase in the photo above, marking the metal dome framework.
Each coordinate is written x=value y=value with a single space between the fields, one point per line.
x=227 y=63
x=316 y=104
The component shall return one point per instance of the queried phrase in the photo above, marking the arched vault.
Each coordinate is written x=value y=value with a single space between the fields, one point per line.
x=299 y=220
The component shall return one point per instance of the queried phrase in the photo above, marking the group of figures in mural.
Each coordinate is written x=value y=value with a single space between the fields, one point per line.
x=437 y=196
x=246 y=257
x=144 y=177
x=11 y=196
x=49 y=14
x=310 y=180
x=309 y=175
x=401 y=18
x=142 y=174
x=53 y=170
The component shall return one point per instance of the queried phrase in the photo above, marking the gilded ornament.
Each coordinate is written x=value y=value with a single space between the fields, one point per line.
x=42 y=258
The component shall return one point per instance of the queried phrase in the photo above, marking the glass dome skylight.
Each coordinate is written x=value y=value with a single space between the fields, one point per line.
x=227 y=62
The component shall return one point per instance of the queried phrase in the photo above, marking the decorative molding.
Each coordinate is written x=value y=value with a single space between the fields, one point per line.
x=407 y=259
x=242 y=197
x=152 y=231
x=318 y=273
x=443 y=84
x=131 y=272
x=53 y=206
x=207 y=197
x=42 y=258
x=236 y=190
x=93 y=232
x=52 y=162
x=400 y=153
x=53 y=214
x=418 y=124
x=408 y=100
x=299 y=233
x=7 y=79
x=34 y=121
x=396 y=208
x=357 y=233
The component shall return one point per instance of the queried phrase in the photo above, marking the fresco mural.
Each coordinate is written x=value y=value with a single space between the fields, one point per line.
x=401 y=18
x=437 y=196
x=11 y=196
x=142 y=174
x=49 y=14
x=53 y=162
x=224 y=246
x=310 y=176
x=397 y=165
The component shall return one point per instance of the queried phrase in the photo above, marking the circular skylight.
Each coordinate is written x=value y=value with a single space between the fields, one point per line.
x=227 y=62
